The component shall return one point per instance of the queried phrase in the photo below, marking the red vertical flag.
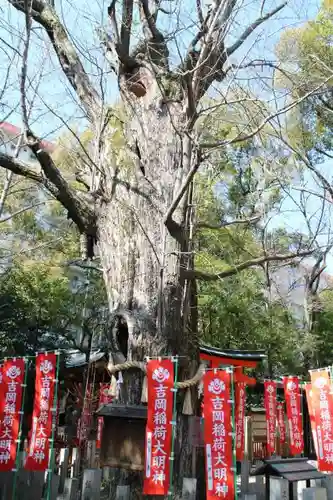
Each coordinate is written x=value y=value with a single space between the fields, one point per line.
x=322 y=400
x=218 y=435
x=294 y=414
x=270 y=407
x=308 y=392
x=281 y=423
x=100 y=425
x=1 y=392
x=240 y=396
x=10 y=406
x=42 y=418
x=160 y=379
x=104 y=399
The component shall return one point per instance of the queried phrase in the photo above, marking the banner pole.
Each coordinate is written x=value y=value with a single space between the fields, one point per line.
x=17 y=461
x=54 y=423
x=233 y=398
x=174 y=417
x=301 y=395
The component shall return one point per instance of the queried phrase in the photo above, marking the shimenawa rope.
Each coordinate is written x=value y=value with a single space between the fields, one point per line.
x=140 y=365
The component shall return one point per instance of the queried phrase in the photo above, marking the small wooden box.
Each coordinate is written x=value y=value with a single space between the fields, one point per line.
x=123 y=439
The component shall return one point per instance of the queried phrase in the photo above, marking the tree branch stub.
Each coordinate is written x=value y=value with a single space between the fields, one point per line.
x=245 y=265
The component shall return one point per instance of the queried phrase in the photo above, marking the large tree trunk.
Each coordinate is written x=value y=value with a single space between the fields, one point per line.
x=153 y=306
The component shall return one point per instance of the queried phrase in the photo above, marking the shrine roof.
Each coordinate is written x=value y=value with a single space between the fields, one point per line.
x=245 y=355
x=76 y=358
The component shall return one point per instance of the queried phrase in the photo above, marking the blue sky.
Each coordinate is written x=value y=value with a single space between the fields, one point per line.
x=55 y=105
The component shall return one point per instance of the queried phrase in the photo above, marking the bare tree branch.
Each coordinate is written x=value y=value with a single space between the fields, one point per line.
x=113 y=22
x=256 y=130
x=212 y=55
x=322 y=152
x=183 y=189
x=320 y=177
x=24 y=69
x=250 y=29
x=10 y=46
x=318 y=268
x=44 y=14
x=251 y=220
x=78 y=209
x=245 y=265
x=22 y=210
x=150 y=20
x=199 y=12
x=307 y=162
x=207 y=64
x=18 y=167
x=126 y=25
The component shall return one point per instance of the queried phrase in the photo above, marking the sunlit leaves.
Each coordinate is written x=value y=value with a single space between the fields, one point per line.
x=306 y=59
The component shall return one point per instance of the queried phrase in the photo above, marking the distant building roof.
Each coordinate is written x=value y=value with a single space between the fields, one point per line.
x=77 y=358
x=14 y=132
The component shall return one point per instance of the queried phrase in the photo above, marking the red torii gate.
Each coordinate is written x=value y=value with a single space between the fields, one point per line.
x=240 y=359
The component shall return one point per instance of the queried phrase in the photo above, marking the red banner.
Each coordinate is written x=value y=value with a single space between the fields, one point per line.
x=1 y=390
x=218 y=435
x=160 y=379
x=270 y=407
x=240 y=396
x=281 y=423
x=308 y=392
x=104 y=399
x=322 y=400
x=10 y=407
x=43 y=417
x=294 y=414
x=100 y=425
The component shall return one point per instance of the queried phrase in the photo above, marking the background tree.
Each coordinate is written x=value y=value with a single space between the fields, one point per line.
x=33 y=310
x=39 y=310
x=323 y=329
x=238 y=311
x=306 y=59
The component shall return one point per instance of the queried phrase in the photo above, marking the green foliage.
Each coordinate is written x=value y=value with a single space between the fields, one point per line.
x=235 y=312
x=235 y=315
x=38 y=309
x=33 y=309
x=306 y=57
x=35 y=226
x=323 y=328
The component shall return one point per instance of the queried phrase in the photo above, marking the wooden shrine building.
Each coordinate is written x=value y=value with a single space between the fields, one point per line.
x=123 y=441
x=124 y=426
